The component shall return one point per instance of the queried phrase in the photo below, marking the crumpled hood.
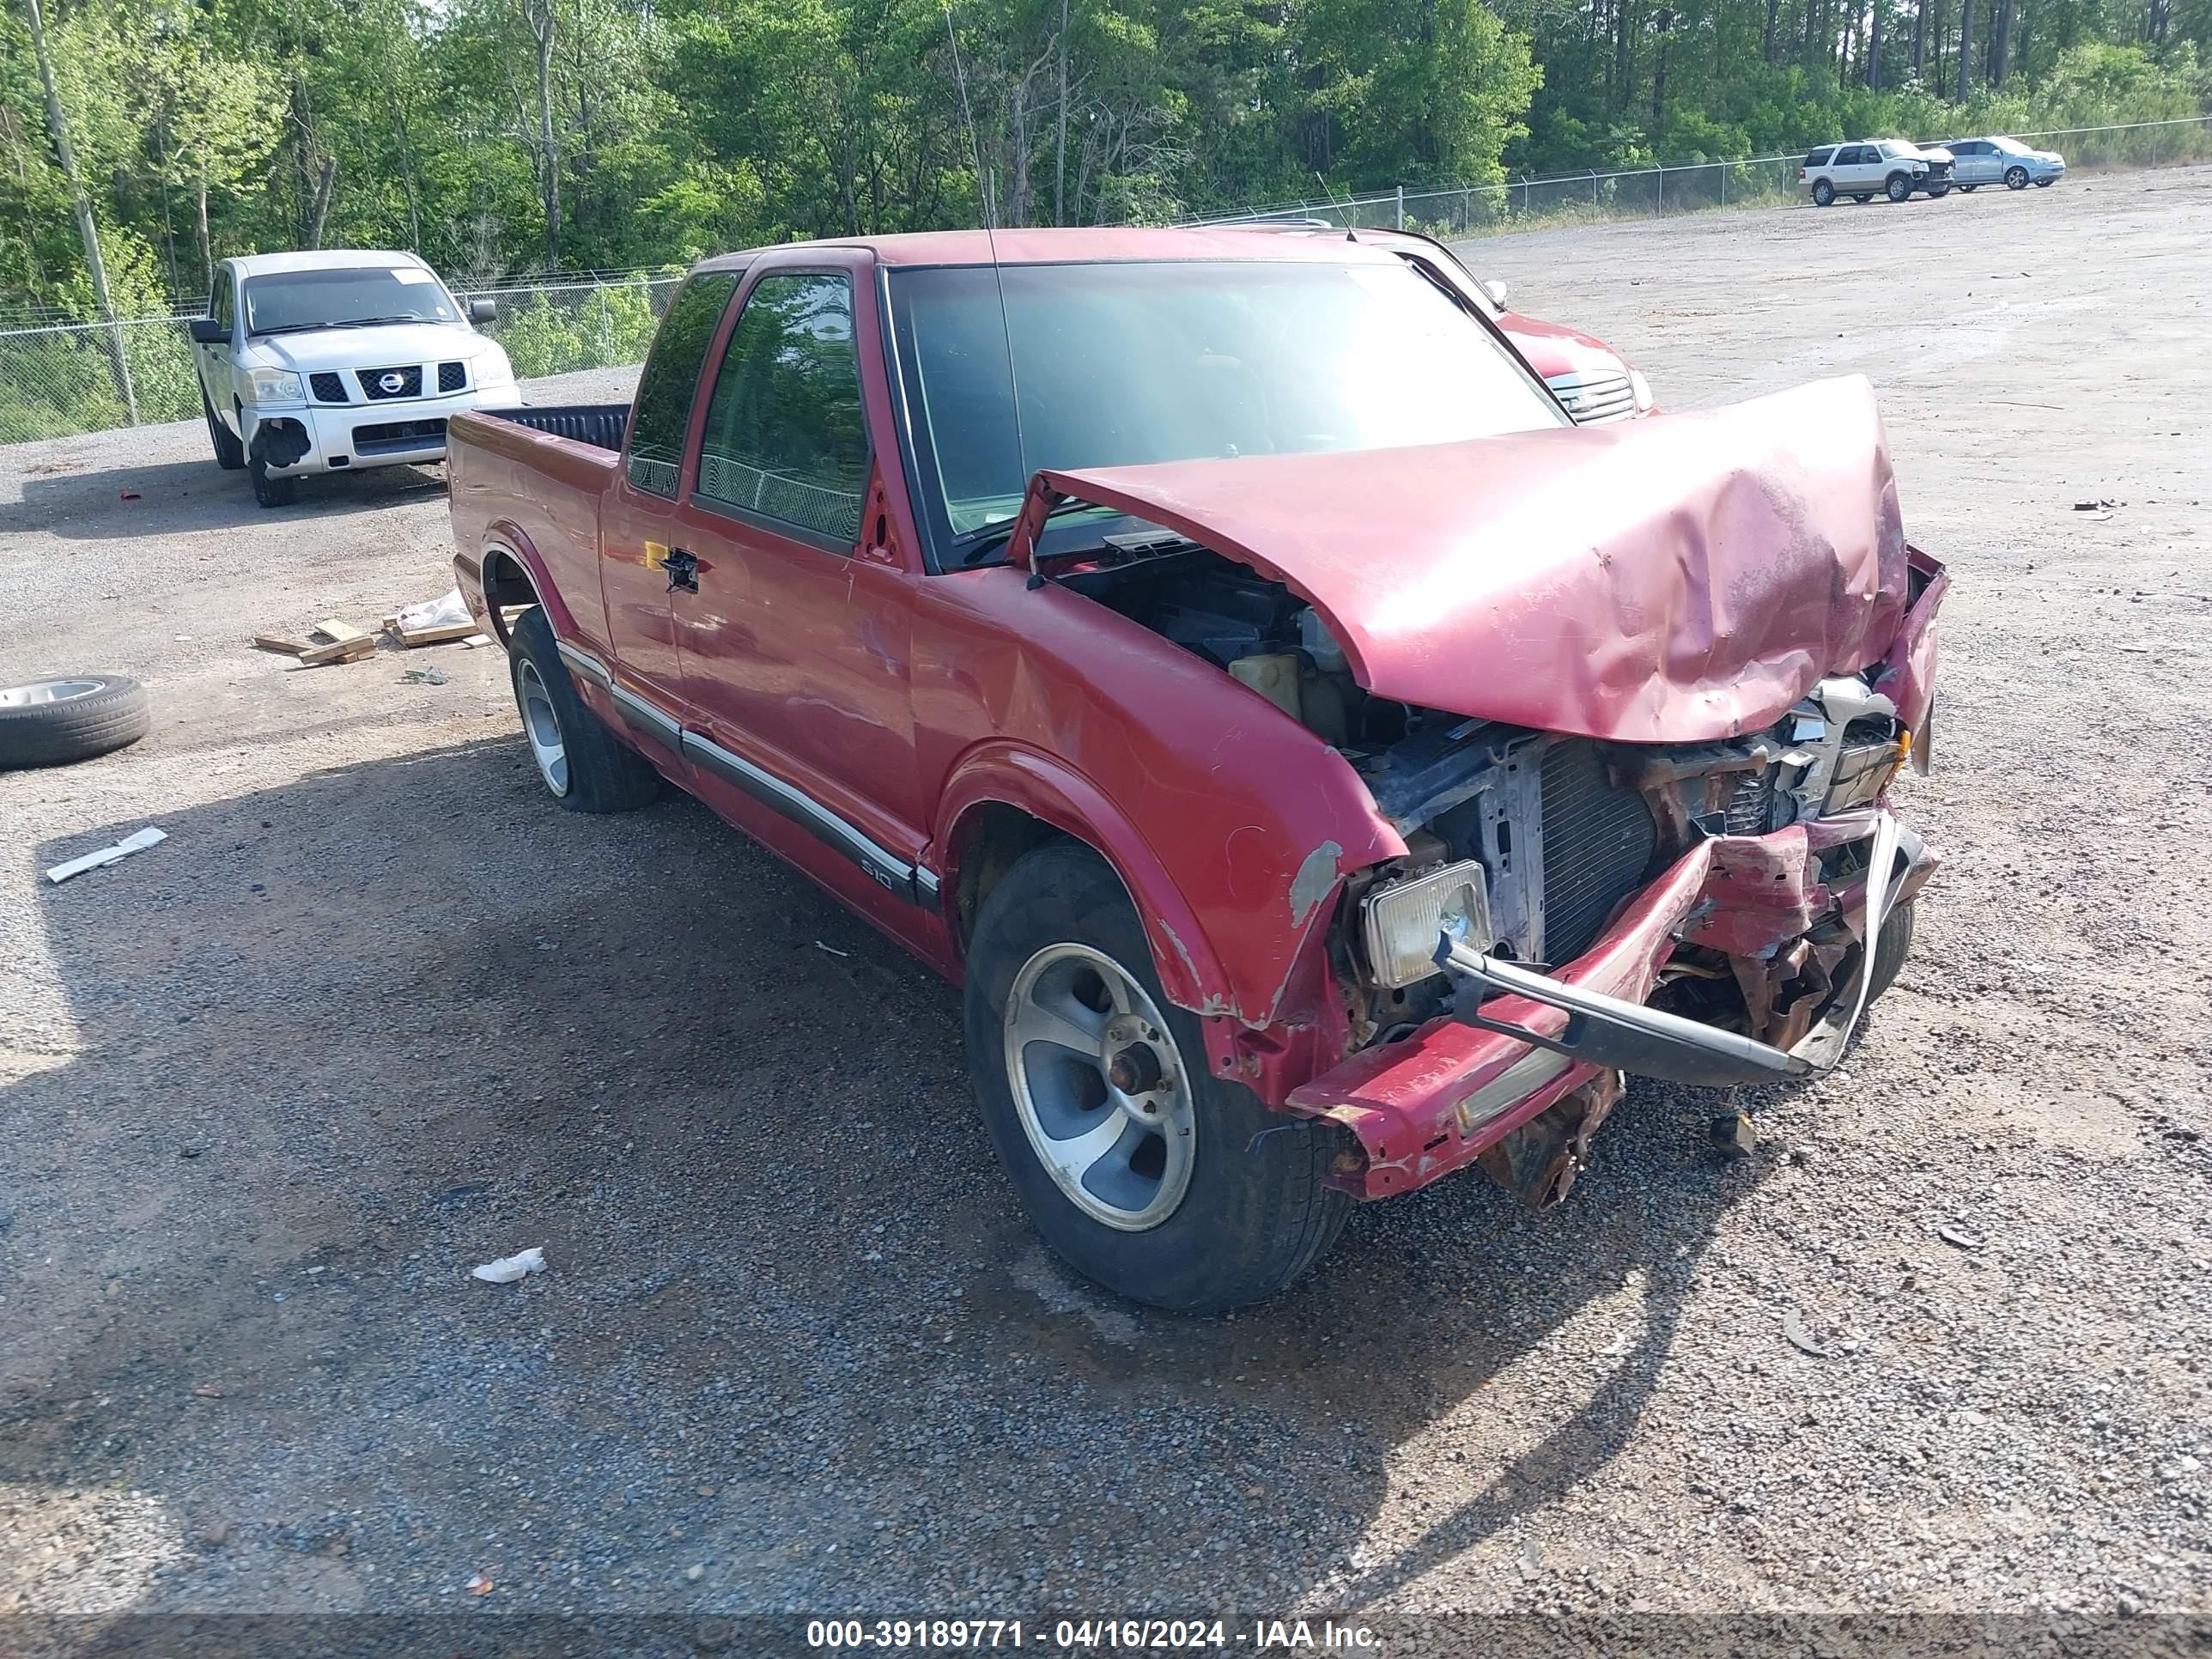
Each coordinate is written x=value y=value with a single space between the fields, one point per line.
x=385 y=346
x=1675 y=580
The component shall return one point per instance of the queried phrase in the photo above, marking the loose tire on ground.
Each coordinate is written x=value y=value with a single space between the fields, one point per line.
x=1248 y=1213
x=2042 y=183
x=1824 y=193
x=2015 y=177
x=230 y=453
x=584 y=766
x=1897 y=188
x=1864 y=199
x=70 y=717
x=1969 y=189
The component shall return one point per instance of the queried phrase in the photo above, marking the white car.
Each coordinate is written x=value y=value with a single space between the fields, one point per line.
x=318 y=363
x=2005 y=161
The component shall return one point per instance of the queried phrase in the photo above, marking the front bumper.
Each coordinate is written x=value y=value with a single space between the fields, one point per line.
x=1459 y=1086
x=347 y=437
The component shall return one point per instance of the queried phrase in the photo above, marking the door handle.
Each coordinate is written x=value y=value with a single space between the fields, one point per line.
x=683 y=570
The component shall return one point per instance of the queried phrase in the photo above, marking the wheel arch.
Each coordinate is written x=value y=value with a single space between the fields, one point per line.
x=1004 y=800
x=510 y=572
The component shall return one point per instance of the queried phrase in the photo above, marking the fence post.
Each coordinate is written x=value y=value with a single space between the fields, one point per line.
x=1593 y=189
x=1661 y=174
x=1401 y=207
x=1724 y=167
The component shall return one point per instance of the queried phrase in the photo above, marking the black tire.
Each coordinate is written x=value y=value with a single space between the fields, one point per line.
x=97 y=714
x=1897 y=187
x=599 y=772
x=1864 y=200
x=1937 y=192
x=1824 y=193
x=230 y=453
x=2015 y=177
x=1889 y=955
x=1255 y=1214
x=1969 y=189
x=270 y=488
x=2042 y=183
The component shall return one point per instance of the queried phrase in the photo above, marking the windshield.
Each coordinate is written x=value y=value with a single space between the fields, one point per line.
x=1121 y=364
x=2011 y=147
x=1896 y=151
x=286 y=301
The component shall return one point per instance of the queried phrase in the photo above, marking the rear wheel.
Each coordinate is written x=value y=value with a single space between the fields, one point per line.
x=1139 y=1167
x=1898 y=188
x=583 y=765
x=230 y=453
x=1824 y=193
x=2015 y=177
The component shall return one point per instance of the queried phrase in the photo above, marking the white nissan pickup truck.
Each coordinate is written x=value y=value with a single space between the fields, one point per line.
x=339 y=360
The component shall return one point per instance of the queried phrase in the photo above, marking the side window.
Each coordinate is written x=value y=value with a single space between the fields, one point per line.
x=219 y=302
x=785 y=436
x=1818 y=158
x=670 y=380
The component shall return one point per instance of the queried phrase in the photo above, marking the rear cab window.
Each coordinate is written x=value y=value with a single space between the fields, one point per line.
x=670 y=382
x=1818 y=158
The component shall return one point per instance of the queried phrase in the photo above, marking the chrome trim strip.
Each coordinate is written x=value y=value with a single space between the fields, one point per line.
x=585 y=664
x=642 y=717
x=804 y=810
x=924 y=888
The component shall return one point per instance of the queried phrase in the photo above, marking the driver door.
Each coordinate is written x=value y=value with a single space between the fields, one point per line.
x=214 y=362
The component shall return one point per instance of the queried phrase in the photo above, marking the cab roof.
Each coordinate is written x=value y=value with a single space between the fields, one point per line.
x=1069 y=247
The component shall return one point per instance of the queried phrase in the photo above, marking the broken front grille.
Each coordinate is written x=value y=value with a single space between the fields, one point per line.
x=1599 y=841
x=378 y=384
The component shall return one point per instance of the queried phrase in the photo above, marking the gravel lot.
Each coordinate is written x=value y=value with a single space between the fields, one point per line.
x=376 y=1012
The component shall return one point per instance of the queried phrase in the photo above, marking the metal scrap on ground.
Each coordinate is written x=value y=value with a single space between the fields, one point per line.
x=138 y=842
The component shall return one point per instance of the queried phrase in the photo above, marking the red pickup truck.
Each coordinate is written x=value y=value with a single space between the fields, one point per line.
x=1324 y=764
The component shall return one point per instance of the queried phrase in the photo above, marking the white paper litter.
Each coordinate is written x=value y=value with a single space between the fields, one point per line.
x=138 y=842
x=508 y=1268
x=449 y=611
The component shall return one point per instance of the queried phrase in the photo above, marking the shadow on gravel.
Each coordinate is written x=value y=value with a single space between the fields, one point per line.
x=166 y=497
x=343 y=1039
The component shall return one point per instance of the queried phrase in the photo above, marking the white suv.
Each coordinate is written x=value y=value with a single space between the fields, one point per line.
x=1875 y=166
x=314 y=363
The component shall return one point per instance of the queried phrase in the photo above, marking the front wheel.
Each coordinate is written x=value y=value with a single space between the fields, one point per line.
x=270 y=488
x=1139 y=1167
x=1897 y=188
x=1824 y=193
x=2015 y=177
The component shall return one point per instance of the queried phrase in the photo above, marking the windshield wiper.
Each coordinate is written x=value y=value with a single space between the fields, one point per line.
x=350 y=322
x=977 y=544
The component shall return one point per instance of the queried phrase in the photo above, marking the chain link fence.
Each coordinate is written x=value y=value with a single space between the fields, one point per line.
x=57 y=378
x=1695 y=187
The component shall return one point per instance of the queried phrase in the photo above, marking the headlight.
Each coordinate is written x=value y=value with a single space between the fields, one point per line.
x=1404 y=918
x=273 y=386
x=1642 y=388
x=493 y=368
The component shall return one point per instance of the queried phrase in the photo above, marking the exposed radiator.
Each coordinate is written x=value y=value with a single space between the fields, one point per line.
x=1598 y=843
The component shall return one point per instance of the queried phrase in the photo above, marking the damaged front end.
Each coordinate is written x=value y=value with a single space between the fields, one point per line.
x=1710 y=914
x=1630 y=700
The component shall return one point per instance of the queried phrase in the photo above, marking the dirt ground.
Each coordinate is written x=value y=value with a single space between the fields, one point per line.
x=375 y=1013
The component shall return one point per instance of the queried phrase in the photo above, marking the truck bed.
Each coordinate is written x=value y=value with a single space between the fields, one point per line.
x=600 y=425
